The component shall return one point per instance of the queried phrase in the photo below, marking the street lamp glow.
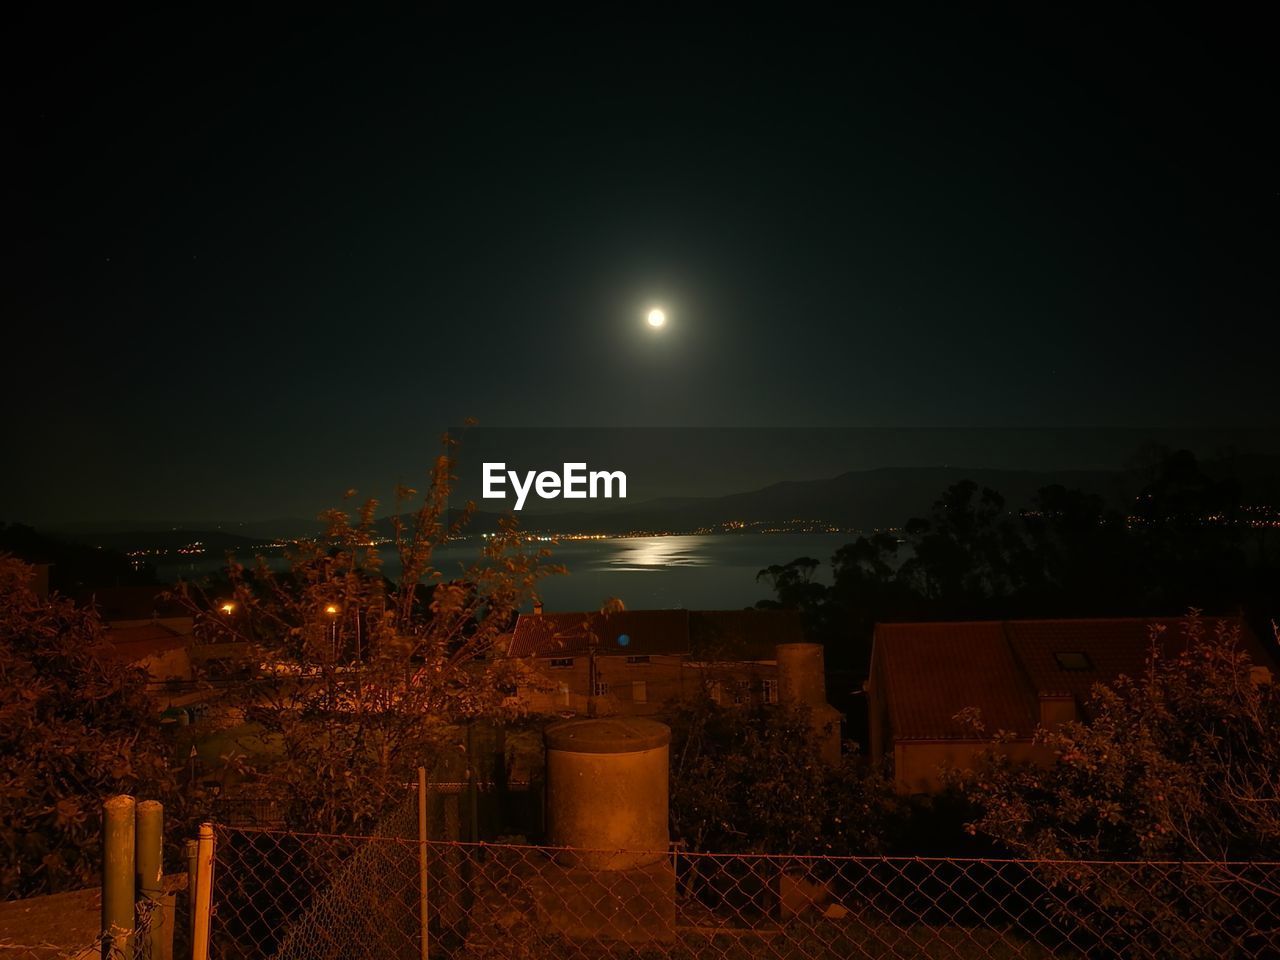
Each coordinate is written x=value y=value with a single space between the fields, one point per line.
x=657 y=318
x=228 y=608
x=331 y=609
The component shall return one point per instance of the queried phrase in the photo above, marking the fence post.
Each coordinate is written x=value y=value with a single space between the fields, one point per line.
x=150 y=858
x=204 y=894
x=473 y=797
x=118 y=841
x=192 y=847
x=423 y=932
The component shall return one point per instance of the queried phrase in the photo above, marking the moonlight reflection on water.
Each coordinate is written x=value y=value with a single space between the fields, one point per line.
x=694 y=572
x=656 y=553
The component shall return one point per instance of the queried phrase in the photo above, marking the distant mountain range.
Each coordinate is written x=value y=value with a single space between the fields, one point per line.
x=859 y=500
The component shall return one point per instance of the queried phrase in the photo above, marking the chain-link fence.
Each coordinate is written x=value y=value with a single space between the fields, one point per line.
x=61 y=927
x=293 y=896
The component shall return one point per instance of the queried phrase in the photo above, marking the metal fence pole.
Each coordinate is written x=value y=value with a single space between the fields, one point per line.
x=204 y=894
x=118 y=841
x=149 y=831
x=473 y=798
x=191 y=849
x=423 y=932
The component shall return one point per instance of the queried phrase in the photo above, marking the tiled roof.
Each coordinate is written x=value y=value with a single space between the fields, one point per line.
x=137 y=642
x=722 y=634
x=742 y=634
x=134 y=602
x=1113 y=647
x=929 y=672
x=932 y=671
x=652 y=632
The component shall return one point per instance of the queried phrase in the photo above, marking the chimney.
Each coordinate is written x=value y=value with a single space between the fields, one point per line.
x=537 y=606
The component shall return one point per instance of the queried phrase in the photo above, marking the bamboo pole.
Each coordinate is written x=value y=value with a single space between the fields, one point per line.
x=204 y=894
x=423 y=930
x=118 y=840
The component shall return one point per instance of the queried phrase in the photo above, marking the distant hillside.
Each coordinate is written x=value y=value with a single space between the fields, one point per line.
x=865 y=499
x=258 y=530
x=213 y=541
x=858 y=500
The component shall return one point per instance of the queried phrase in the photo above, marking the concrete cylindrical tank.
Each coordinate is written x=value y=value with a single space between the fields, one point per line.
x=607 y=790
x=802 y=676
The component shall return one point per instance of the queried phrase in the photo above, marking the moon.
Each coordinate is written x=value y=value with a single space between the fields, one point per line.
x=657 y=318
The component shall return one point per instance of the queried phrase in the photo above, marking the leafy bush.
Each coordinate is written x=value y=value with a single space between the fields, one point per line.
x=752 y=780
x=75 y=728
x=1179 y=763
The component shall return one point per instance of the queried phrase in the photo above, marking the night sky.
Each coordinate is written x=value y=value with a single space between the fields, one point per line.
x=254 y=262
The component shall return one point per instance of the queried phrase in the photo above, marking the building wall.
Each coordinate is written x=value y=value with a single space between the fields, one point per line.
x=642 y=688
x=878 y=735
x=173 y=663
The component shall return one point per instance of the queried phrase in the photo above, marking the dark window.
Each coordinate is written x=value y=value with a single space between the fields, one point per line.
x=562 y=661
x=1073 y=660
x=639 y=659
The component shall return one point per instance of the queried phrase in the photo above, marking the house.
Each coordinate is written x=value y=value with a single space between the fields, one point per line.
x=1019 y=674
x=642 y=662
x=163 y=648
x=639 y=661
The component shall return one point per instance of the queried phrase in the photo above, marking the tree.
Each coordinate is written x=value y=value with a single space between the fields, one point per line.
x=1078 y=556
x=960 y=553
x=362 y=679
x=75 y=727
x=1180 y=763
x=793 y=584
x=1173 y=772
x=1191 y=535
x=752 y=780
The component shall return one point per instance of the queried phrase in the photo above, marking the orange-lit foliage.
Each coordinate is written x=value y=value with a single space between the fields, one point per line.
x=357 y=680
x=1179 y=763
x=75 y=727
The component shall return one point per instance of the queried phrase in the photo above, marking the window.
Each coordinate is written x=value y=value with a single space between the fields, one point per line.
x=768 y=691
x=1073 y=660
x=640 y=659
x=602 y=688
x=639 y=691
x=561 y=662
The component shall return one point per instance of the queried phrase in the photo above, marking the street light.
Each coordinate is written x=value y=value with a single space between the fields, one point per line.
x=228 y=608
x=332 y=609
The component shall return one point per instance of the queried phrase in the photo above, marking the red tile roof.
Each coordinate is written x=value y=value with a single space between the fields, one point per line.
x=929 y=672
x=719 y=634
x=742 y=634
x=566 y=634
x=1114 y=647
x=137 y=642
